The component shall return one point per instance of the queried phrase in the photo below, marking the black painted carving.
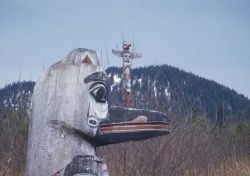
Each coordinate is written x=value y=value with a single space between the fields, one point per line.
x=97 y=76
x=100 y=92
x=81 y=164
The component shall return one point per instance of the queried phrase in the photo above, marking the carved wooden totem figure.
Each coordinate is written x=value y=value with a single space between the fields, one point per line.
x=71 y=117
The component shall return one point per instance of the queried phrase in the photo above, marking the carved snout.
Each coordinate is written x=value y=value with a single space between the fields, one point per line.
x=128 y=124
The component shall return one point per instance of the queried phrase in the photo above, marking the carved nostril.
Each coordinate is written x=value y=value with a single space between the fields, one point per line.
x=87 y=60
x=93 y=122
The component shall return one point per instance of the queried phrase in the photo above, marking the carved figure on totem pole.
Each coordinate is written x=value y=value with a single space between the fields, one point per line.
x=71 y=117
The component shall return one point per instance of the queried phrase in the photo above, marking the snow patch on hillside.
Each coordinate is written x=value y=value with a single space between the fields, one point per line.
x=155 y=89
x=167 y=93
x=117 y=81
x=139 y=81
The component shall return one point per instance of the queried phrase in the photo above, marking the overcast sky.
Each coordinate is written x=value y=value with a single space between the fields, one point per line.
x=210 y=38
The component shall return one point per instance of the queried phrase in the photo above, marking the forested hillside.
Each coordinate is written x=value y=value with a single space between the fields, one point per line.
x=164 y=88
x=175 y=91
x=12 y=95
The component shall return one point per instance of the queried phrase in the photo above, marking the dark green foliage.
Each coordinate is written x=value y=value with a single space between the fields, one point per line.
x=13 y=94
x=243 y=129
x=169 y=88
x=164 y=88
x=220 y=117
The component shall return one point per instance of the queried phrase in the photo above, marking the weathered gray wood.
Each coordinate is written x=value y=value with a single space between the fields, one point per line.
x=69 y=119
x=61 y=95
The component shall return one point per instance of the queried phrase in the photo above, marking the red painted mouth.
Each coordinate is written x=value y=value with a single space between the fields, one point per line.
x=127 y=127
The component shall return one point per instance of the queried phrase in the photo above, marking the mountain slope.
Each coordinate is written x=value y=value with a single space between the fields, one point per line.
x=13 y=94
x=175 y=91
x=164 y=88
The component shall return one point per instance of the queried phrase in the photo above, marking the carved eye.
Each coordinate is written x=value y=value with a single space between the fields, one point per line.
x=99 y=92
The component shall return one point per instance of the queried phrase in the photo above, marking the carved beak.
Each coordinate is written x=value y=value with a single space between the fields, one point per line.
x=128 y=124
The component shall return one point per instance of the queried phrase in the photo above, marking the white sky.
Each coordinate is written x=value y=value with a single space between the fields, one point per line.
x=210 y=38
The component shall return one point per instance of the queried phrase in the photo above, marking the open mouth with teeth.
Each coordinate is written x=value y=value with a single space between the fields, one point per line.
x=126 y=124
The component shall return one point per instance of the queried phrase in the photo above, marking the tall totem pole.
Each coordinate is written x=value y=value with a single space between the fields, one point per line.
x=127 y=57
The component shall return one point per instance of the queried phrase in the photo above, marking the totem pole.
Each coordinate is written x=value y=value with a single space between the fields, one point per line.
x=71 y=117
x=127 y=57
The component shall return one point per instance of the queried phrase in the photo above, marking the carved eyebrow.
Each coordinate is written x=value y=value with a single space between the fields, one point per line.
x=97 y=76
